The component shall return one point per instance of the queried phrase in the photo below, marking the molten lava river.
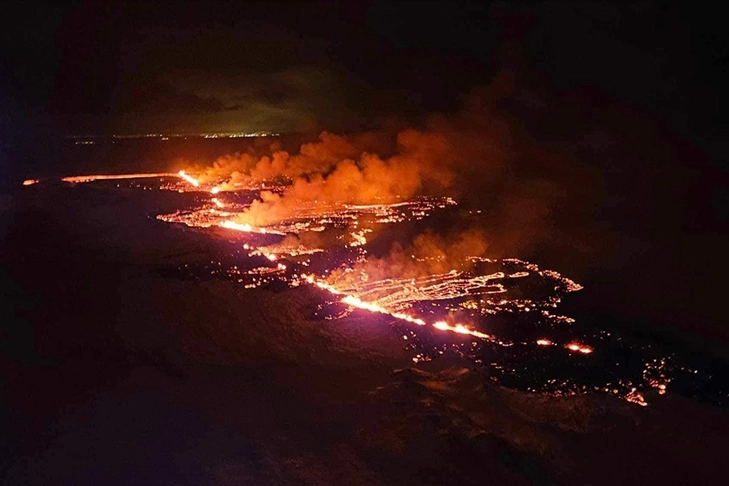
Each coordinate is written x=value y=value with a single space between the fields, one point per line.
x=499 y=315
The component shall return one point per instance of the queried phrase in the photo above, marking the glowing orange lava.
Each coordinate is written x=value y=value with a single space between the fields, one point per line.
x=247 y=228
x=581 y=348
x=369 y=306
x=237 y=226
x=30 y=182
x=390 y=296
x=188 y=178
x=104 y=177
x=634 y=396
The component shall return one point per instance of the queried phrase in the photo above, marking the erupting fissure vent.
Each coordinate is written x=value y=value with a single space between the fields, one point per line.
x=441 y=294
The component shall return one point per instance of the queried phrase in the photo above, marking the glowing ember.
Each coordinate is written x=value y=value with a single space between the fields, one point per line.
x=358 y=238
x=635 y=397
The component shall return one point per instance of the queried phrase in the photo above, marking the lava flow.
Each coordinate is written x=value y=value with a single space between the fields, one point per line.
x=108 y=177
x=455 y=301
x=442 y=295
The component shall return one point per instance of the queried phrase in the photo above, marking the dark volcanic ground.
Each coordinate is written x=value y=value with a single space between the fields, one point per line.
x=114 y=372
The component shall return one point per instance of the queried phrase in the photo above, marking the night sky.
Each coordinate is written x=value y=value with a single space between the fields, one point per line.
x=93 y=67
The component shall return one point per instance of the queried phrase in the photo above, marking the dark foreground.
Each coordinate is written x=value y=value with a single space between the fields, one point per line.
x=115 y=373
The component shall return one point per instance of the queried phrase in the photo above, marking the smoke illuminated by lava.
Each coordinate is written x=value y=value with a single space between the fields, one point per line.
x=333 y=173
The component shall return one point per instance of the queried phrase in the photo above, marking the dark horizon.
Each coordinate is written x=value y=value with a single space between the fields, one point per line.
x=166 y=67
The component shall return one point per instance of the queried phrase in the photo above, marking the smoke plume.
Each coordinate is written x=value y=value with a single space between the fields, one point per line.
x=332 y=173
x=486 y=156
x=428 y=254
